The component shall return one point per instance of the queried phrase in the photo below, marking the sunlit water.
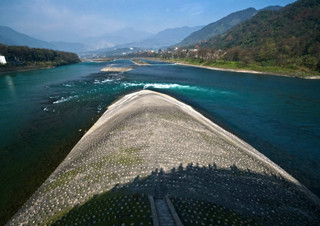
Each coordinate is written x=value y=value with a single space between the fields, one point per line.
x=42 y=111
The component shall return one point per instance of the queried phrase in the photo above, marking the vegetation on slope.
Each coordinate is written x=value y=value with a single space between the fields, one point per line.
x=223 y=25
x=219 y=27
x=288 y=38
x=23 y=57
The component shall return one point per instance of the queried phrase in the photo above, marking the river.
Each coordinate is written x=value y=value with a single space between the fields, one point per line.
x=43 y=114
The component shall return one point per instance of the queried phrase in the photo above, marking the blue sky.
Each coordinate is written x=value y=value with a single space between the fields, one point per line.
x=76 y=20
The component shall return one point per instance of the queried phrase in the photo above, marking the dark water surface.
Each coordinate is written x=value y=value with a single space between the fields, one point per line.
x=44 y=113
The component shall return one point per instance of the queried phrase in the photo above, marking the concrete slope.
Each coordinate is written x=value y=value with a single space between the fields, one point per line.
x=148 y=143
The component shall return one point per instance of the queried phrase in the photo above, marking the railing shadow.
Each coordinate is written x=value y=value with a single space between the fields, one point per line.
x=262 y=198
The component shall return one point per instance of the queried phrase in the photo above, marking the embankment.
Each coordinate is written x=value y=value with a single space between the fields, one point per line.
x=148 y=143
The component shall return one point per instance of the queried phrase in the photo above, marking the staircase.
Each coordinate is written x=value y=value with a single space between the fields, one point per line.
x=163 y=212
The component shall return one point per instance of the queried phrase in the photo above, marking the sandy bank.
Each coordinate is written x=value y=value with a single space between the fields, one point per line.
x=150 y=143
x=221 y=69
x=243 y=70
x=312 y=77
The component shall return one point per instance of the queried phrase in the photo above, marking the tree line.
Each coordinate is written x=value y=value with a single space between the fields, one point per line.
x=25 y=56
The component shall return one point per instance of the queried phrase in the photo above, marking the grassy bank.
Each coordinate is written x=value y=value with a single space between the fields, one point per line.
x=254 y=67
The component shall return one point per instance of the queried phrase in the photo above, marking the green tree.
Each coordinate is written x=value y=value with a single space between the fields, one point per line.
x=268 y=51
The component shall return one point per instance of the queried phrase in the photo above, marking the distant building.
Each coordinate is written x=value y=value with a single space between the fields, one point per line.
x=2 y=60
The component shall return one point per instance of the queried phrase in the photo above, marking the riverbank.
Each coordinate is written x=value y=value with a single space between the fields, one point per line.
x=23 y=58
x=148 y=143
x=9 y=69
x=239 y=67
x=20 y=69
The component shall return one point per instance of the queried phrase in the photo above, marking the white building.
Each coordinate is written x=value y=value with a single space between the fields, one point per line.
x=2 y=60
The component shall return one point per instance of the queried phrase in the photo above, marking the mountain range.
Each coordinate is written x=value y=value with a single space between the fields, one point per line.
x=223 y=25
x=121 y=37
x=283 y=41
x=10 y=37
x=185 y=36
x=129 y=38
x=164 y=38
x=124 y=38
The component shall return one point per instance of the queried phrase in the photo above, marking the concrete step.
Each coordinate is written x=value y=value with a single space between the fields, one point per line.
x=164 y=215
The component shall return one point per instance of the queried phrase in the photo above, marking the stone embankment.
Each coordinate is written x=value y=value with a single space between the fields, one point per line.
x=149 y=146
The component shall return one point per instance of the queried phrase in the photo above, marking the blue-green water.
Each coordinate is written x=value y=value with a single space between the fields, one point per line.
x=43 y=113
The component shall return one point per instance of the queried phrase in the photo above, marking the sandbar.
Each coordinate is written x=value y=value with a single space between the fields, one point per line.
x=116 y=69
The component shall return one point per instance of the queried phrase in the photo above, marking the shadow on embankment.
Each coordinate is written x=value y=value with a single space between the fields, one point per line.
x=207 y=195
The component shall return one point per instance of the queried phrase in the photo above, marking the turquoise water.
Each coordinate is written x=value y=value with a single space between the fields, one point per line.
x=43 y=113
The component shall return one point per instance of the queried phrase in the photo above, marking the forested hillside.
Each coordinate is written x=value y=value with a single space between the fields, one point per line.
x=218 y=27
x=23 y=56
x=289 y=37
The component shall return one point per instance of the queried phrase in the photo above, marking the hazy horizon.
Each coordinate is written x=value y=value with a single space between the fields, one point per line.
x=78 y=21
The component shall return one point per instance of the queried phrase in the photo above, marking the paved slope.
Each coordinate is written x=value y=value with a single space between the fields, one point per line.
x=150 y=143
